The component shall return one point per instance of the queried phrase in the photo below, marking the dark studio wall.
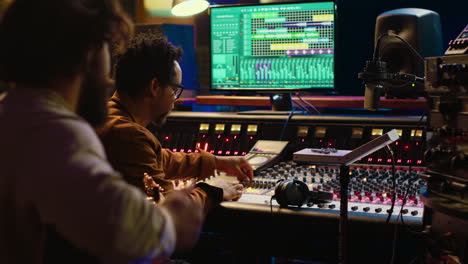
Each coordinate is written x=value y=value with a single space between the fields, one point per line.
x=356 y=21
x=355 y=29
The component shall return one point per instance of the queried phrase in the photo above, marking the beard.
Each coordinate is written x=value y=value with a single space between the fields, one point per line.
x=160 y=121
x=92 y=104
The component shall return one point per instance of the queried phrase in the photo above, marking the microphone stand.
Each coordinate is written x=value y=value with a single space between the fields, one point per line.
x=343 y=229
x=344 y=160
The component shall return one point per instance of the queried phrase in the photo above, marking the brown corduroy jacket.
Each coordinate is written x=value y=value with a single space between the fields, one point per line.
x=133 y=150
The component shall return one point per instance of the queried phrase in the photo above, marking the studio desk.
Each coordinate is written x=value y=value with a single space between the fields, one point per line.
x=256 y=225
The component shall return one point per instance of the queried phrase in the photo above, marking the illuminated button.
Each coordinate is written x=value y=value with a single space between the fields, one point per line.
x=320 y=132
x=235 y=129
x=219 y=128
x=399 y=132
x=377 y=132
x=357 y=132
x=204 y=128
x=252 y=129
x=302 y=131
x=416 y=133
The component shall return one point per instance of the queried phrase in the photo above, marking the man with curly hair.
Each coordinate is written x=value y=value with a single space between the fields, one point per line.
x=148 y=82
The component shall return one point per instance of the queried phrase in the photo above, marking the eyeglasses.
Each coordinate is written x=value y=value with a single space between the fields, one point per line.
x=176 y=89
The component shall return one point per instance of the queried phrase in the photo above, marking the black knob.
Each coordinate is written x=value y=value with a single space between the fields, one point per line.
x=414 y=213
x=354 y=208
x=331 y=206
x=378 y=210
x=366 y=209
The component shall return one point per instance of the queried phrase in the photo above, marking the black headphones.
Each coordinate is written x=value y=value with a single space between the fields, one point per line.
x=297 y=193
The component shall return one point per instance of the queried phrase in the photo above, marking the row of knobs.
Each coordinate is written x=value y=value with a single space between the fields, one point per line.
x=365 y=184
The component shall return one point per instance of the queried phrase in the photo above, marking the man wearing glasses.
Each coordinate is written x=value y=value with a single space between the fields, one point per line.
x=147 y=81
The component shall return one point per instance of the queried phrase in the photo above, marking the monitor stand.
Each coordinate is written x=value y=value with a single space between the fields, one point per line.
x=281 y=104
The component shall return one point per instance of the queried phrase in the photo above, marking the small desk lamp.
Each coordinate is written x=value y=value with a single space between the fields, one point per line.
x=188 y=7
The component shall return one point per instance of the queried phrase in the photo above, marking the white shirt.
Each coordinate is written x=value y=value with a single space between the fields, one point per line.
x=54 y=172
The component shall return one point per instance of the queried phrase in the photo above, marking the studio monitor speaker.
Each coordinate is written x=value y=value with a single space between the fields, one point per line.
x=422 y=30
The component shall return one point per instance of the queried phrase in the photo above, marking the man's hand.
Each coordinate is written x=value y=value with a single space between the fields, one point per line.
x=187 y=217
x=153 y=189
x=236 y=166
x=231 y=191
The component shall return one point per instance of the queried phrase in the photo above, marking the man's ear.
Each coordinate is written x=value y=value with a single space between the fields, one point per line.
x=155 y=88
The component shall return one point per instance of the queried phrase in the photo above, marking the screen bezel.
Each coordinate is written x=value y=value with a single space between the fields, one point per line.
x=245 y=90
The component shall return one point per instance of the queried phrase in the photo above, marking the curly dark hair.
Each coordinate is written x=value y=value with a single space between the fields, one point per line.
x=45 y=39
x=149 y=55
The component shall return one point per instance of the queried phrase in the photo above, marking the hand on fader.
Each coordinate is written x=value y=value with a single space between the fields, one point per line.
x=236 y=166
x=231 y=191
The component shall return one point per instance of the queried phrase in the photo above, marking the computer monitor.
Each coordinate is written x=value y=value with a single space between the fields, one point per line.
x=273 y=48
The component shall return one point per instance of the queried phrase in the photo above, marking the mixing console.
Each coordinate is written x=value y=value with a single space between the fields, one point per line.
x=370 y=189
x=231 y=134
x=371 y=181
x=256 y=222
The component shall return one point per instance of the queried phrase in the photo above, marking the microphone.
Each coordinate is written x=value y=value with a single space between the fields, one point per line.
x=377 y=78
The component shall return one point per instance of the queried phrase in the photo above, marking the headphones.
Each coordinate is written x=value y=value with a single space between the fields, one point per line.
x=297 y=193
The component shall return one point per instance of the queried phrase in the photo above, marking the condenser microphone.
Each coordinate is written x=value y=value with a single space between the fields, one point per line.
x=374 y=75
